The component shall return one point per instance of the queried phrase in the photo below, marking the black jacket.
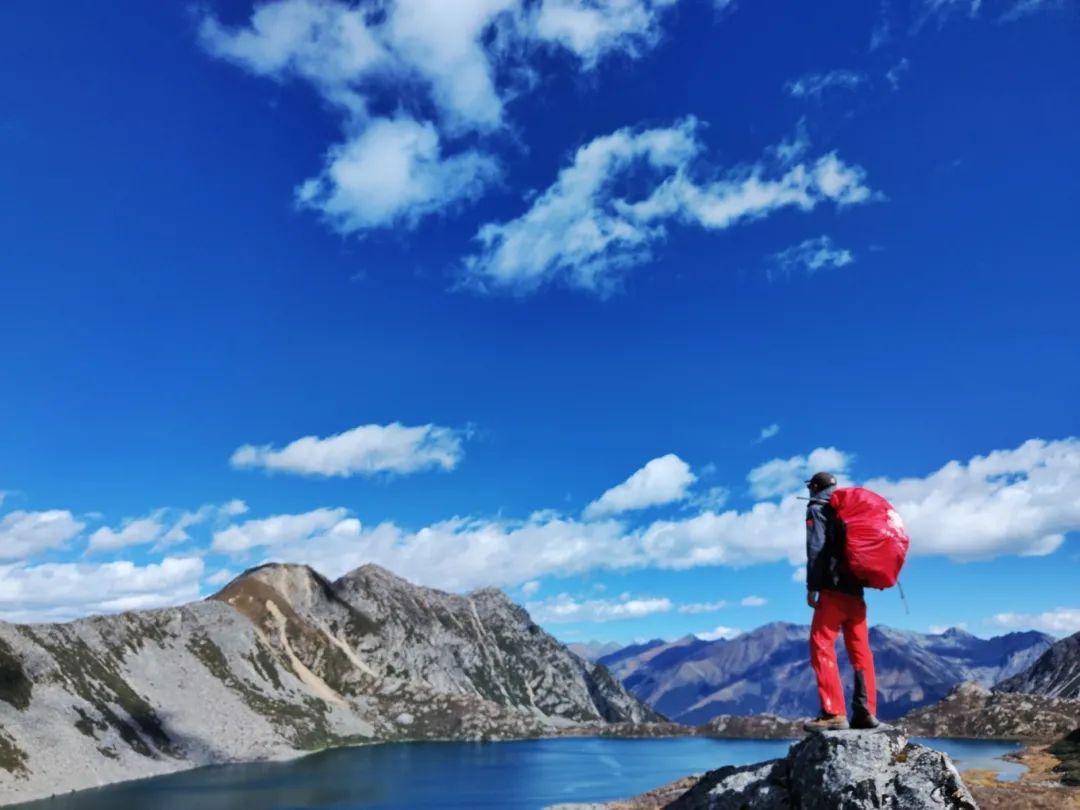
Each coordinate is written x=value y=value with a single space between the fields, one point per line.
x=826 y=566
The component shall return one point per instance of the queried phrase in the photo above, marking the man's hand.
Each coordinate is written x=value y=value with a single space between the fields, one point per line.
x=812 y=599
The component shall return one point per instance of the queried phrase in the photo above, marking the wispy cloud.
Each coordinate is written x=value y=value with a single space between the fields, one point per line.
x=1004 y=11
x=896 y=72
x=366 y=450
x=1024 y=8
x=703 y=607
x=938 y=629
x=768 y=432
x=812 y=255
x=753 y=601
x=661 y=481
x=721 y=632
x=281 y=529
x=581 y=232
x=1060 y=622
x=565 y=608
x=783 y=476
x=814 y=85
x=166 y=527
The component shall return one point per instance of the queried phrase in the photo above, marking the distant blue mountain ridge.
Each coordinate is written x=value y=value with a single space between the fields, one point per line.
x=767 y=670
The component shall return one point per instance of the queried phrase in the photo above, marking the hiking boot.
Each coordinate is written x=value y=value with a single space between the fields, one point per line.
x=864 y=721
x=827 y=722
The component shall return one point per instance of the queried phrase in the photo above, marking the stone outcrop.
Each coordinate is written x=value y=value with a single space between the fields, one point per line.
x=837 y=771
x=280 y=662
x=971 y=710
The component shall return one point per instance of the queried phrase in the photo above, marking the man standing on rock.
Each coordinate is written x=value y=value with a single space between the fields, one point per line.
x=837 y=599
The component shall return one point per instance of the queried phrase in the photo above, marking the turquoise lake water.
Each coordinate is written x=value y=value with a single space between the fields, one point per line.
x=525 y=775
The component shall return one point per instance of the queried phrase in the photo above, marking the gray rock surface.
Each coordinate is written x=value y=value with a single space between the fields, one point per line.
x=281 y=662
x=849 y=770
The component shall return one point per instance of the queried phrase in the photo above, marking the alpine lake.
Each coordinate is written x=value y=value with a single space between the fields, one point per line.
x=520 y=775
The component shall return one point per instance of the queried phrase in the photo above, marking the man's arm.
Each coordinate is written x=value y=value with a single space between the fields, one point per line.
x=815 y=549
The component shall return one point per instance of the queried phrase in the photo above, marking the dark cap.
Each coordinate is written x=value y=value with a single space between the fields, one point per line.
x=821 y=480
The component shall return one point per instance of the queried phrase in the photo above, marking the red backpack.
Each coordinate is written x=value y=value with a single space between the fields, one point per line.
x=877 y=542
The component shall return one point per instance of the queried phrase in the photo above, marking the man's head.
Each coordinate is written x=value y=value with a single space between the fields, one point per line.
x=819 y=481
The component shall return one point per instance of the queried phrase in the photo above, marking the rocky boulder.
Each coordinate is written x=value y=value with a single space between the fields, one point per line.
x=848 y=770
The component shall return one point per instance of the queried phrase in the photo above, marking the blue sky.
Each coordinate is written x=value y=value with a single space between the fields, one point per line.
x=495 y=259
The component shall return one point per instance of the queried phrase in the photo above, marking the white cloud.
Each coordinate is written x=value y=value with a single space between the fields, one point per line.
x=463 y=58
x=1020 y=501
x=530 y=588
x=282 y=529
x=464 y=553
x=328 y=44
x=703 y=607
x=799 y=574
x=581 y=232
x=134 y=532
x=1010 y=502
x=768 y=432
x=364 y=450
x=1059 y=622
x=25 y=534
x=565 y=608
x=782 y=476
x=812 y=255
x=753 y=601
x=813 y=85
x=63 y=591
x=662 y=480
x=592 y=29
x=720 y=632
x=166 y=527
x=393 y=172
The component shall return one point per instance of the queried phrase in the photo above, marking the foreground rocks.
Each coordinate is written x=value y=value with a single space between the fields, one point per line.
x=846 y=770
x=279 y=663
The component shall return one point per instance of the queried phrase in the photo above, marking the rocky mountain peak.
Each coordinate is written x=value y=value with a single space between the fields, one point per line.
x=1056 y=672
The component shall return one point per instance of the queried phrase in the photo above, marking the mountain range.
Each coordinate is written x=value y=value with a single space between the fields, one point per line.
x=767 y=670
x=282 y=661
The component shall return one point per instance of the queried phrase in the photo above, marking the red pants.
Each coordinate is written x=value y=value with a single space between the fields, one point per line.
x=836 y=611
